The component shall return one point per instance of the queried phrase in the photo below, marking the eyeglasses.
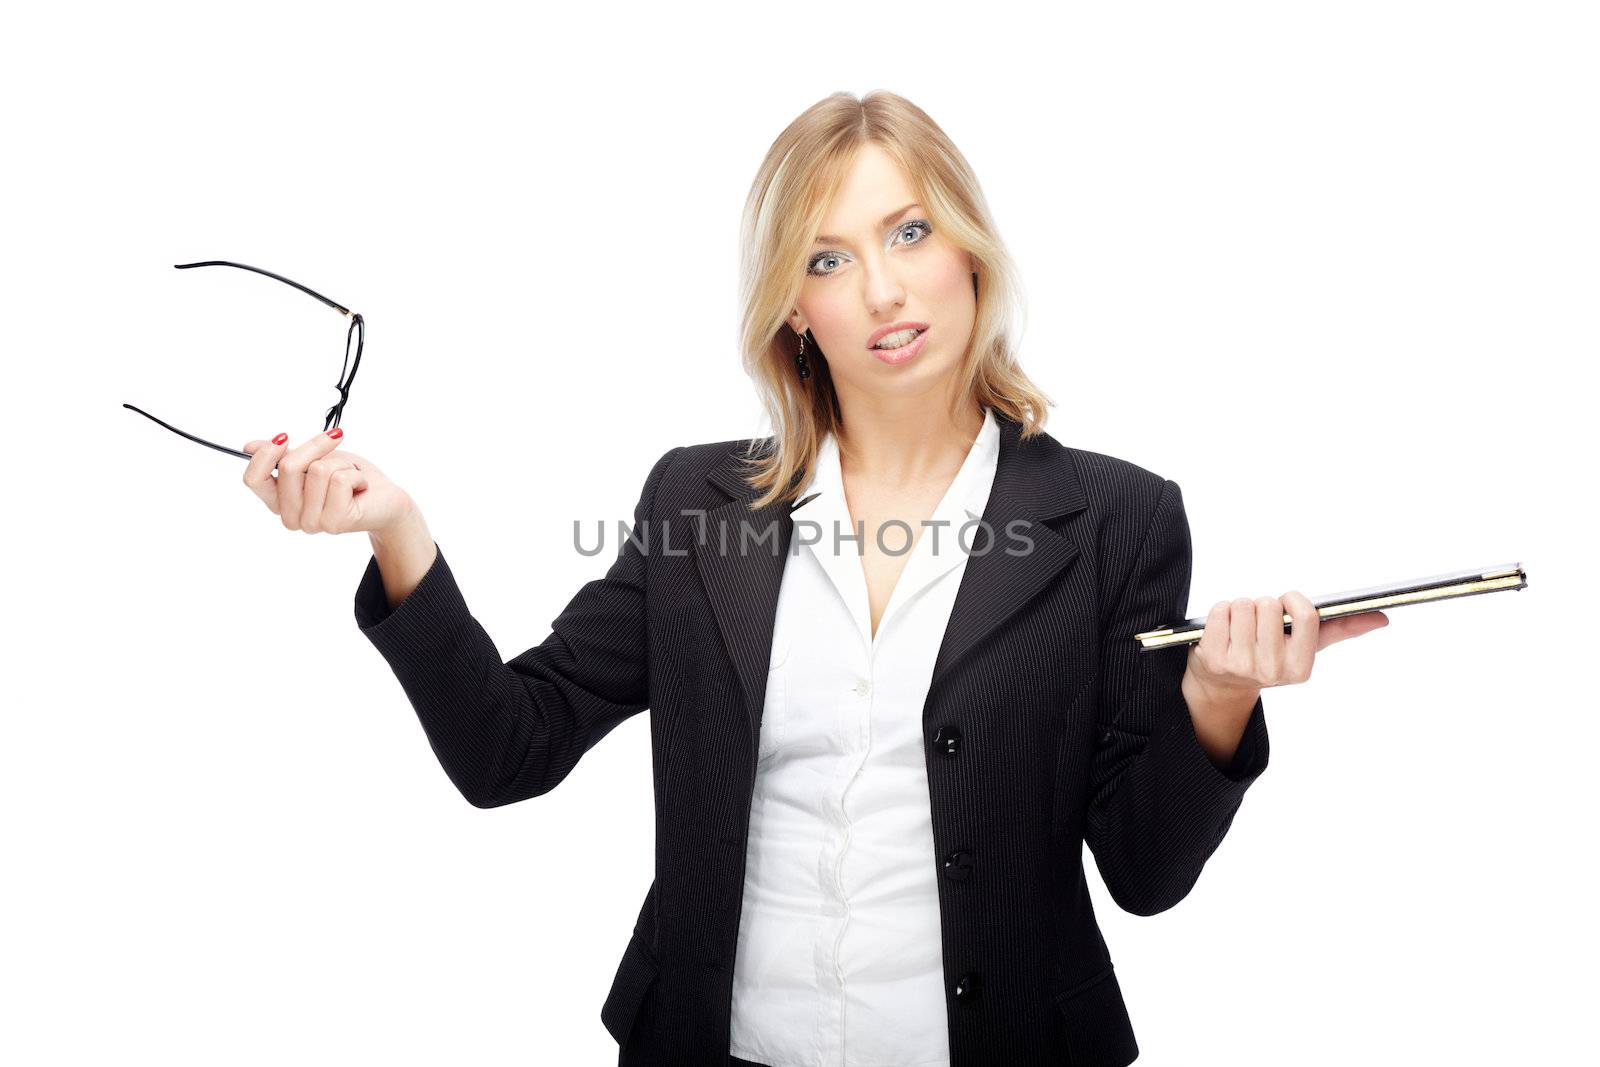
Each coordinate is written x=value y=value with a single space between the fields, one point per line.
x=357 y=336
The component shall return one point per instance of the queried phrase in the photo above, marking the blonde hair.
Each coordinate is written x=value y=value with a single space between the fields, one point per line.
x=802 y=170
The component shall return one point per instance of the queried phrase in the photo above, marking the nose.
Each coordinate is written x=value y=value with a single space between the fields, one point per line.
x=883 y=288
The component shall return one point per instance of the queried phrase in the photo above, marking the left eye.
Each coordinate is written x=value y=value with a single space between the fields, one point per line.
x=915 y=227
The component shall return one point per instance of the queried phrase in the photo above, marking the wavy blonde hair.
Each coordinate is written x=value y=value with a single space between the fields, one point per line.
x=803 y=169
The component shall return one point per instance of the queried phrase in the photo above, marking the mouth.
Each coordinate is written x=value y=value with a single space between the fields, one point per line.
x=894 y=327
x=899 y=343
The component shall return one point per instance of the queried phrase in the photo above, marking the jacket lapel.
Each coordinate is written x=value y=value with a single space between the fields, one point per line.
x=1033 y=482
x=743 y=585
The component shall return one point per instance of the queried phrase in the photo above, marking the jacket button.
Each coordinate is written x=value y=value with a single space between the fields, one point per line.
x=967 y=989
x=947 y=741
x=958 y=865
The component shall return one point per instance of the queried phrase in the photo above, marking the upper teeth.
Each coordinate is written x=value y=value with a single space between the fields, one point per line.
x=895 y=340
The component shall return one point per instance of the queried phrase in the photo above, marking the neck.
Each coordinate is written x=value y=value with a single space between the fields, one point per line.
x=905 y=442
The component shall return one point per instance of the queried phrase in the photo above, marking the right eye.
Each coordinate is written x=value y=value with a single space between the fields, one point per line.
x=811 y=267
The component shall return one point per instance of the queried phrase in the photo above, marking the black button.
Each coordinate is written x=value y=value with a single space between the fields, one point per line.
x=946 y=741
x=967 y=989
x=1105 y=737
x=958 y=865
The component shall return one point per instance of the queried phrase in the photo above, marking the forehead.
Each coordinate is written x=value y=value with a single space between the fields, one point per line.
x=874 y=186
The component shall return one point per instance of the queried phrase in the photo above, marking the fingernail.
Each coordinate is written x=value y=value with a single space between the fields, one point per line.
x=336 y=433
x=280 y=439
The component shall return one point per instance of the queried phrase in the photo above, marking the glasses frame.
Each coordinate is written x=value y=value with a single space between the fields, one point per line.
x=356 y=334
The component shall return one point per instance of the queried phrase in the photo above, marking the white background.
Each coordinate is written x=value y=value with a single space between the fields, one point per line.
x=1343 y=256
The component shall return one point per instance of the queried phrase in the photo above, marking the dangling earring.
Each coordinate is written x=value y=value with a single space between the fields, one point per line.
x=800 y=359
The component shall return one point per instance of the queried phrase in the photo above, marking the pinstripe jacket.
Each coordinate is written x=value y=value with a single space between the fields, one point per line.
x=1045 y=728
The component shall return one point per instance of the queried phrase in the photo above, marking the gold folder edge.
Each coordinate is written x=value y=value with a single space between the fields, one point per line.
x=1507 y=579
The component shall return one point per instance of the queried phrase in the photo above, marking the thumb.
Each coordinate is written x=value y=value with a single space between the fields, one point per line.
x=1333 y=631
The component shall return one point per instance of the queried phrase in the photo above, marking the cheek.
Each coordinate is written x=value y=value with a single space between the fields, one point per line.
x=948 y=278
x=831 y=322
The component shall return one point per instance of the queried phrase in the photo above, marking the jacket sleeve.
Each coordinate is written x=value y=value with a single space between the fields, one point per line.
x=1159 y=807
x=504 y=732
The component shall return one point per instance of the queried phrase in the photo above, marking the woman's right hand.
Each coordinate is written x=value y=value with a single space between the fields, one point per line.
x=319 y=489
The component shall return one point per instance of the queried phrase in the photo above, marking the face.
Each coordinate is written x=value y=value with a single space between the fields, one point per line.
x=881 y=263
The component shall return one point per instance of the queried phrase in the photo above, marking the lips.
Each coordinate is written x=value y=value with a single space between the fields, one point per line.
x=896 y=357
x=884 y=331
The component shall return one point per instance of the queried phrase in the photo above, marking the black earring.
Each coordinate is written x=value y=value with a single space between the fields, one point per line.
x=800 y=360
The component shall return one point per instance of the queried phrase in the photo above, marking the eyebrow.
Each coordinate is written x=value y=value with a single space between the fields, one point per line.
x=829 y=239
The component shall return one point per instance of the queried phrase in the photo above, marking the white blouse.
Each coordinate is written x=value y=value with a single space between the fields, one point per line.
x=839 y=960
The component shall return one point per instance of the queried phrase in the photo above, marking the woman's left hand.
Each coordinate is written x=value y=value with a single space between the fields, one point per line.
x=1244 y=650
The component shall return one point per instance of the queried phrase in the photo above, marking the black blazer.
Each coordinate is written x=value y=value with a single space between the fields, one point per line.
x=1045 y=727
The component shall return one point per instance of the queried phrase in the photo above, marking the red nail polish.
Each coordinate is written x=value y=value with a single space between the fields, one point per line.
x=336 y=433
x=280 y=439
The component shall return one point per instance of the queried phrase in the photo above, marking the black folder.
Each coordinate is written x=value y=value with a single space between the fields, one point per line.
x=1355 y=601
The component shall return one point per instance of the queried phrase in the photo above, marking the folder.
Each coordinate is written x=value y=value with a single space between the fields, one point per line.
x=1355 y=601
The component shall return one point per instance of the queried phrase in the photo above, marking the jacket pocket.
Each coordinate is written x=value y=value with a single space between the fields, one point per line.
x=774 y=708
x=635 y=974
x=1096 y=1024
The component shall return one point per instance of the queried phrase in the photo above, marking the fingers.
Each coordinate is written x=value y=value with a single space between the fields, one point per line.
x=1271 y=643
x=1304 y=637
x=1212 y=651
x=313 y=491
x=339 y=512
x=319 y=475
x=292 y=473
x=258 y=473
x=1242 y=637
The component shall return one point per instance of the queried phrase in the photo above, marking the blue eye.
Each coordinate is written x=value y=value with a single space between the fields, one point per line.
x=811 y=268
x=918 y=225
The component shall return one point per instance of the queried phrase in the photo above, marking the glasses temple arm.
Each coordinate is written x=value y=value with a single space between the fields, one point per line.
x=190 y=436
x=340 y=308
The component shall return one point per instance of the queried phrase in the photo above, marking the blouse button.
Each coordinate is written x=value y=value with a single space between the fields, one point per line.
x=863 y=687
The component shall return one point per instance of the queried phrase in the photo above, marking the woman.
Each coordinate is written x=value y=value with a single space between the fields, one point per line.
x=888 y=654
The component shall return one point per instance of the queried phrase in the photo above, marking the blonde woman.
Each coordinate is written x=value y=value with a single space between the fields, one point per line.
x=887 y=653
